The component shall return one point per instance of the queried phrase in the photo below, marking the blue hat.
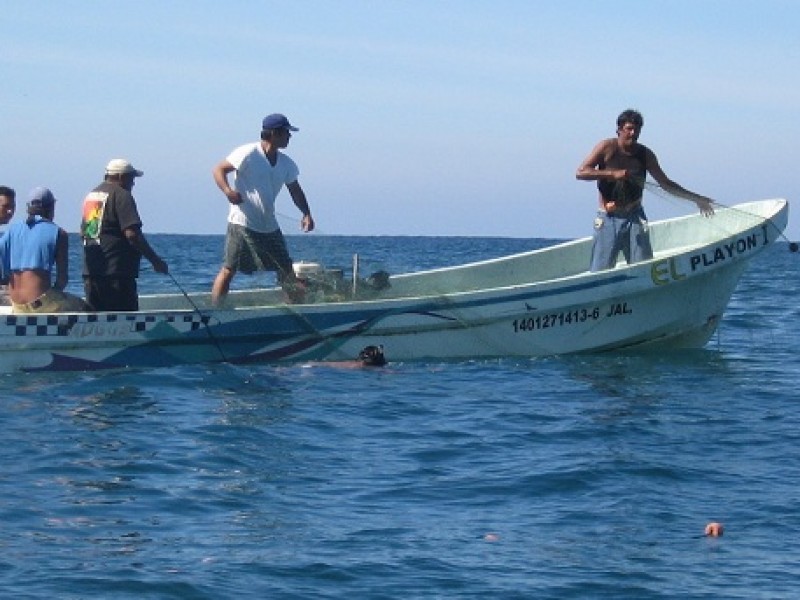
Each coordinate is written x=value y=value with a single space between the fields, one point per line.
x=277 y=121
x=41 y=196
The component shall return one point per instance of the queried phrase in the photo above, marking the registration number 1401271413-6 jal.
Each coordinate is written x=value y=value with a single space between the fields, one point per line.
x=572 y=317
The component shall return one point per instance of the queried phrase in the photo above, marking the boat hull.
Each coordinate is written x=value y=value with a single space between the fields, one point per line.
x=539 y=303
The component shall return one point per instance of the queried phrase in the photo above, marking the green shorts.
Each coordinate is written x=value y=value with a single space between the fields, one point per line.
x=249 y=251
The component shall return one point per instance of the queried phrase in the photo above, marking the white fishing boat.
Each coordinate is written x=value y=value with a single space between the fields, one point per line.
x=538 y=303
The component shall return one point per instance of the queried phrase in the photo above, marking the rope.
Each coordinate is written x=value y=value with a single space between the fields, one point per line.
x=204 y=319
x=304 y=320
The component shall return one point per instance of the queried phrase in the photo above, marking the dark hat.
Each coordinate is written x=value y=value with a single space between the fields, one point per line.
x=277 y=121
x=41 y=196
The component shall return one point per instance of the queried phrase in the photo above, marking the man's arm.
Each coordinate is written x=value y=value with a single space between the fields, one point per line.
x=4 y=266
x=136 y=239
x=220 y=173
x=655 y=170
x=62 y=261
x=588 y=170
x=300 y=201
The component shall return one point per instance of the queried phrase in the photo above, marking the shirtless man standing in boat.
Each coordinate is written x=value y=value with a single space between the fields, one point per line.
x=620 y=166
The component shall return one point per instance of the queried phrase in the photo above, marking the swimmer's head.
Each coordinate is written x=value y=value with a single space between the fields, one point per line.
x=372 y=356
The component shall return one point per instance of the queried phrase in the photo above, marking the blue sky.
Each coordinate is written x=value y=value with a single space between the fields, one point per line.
x=416 y=117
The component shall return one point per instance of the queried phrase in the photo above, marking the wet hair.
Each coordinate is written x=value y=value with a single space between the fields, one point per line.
x=630 y=116
x=8 y=192
x=372 y=356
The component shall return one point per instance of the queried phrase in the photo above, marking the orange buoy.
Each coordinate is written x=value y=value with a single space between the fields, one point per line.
x=714 y=529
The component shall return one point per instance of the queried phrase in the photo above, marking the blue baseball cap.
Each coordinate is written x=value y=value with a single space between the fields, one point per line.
x=277 y=121
x=41 y=196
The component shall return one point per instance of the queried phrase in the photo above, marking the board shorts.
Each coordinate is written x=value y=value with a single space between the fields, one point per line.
x=249 y=251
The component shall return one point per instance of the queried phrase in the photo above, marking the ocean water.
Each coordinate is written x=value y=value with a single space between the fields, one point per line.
x=570 y=477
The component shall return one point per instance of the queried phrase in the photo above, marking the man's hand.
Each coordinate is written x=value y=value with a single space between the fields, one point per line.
x=159 y=266
x=233 y=196
x=307 y=223
x=706 y=206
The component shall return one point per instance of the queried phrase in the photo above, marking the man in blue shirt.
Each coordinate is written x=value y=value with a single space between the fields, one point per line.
x=30 y=249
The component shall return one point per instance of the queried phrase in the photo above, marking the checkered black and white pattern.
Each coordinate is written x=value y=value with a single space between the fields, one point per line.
x=60 y=325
